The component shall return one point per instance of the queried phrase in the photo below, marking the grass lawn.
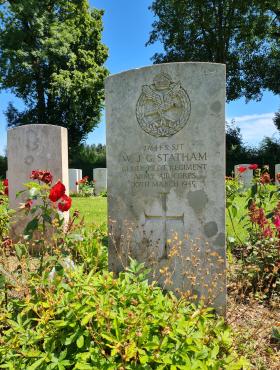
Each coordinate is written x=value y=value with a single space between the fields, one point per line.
x=239 y=223
x=93 y=209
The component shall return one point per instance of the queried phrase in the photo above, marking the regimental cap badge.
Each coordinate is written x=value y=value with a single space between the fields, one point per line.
x=162 y=81
x=163 y=107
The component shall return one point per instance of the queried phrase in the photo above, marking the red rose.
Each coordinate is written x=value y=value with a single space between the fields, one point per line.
x=47 y=177
x=5 y=182
x=34 y=174
x=267 y=232
x=28 y=204
x=65 y=203
x=265 y=178
x=6 y=190
x=40 y=175
x=242 y=169
x=57 y=191
x=253 y=166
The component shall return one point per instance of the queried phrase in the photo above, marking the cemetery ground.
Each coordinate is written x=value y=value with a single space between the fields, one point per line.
x=80 y=317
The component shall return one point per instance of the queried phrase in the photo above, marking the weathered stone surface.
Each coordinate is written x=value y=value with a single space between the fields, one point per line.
x=277 y=170
x=80 y=174
x=245 y=177
x=100 y=177
x=166 y=169
x=74 y=177
x=33 y=147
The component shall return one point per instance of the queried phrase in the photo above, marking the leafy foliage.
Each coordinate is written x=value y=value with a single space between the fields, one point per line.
x=5 y=214
x=276 y=119
x=3 y=166
x=86 y=187
x=242 y=34
x=51 y=56
x=257 y=271
x=94 y=321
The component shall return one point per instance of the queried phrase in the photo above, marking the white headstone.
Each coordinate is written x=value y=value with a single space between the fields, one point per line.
x=33 y=147
x=100 y=178
x=80 y=174
x=166 y=173
x=74 y=177
x=245 y=177
x=277 y=170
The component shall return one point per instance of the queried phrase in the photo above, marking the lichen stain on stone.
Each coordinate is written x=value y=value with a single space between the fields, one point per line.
x=197 y=200
x=210 y=229
x=220 y=240
x=216 y=107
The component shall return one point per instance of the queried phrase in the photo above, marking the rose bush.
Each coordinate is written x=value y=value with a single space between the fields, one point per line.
x=86 y=187
x=257 y=271
x=44 y=202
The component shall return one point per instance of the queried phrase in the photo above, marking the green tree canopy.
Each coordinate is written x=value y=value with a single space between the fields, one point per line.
x=52 y=57
x=243 y=34
x=276 y=119
x=89 y=157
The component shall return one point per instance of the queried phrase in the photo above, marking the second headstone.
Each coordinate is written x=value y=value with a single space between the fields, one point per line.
x=34 y=147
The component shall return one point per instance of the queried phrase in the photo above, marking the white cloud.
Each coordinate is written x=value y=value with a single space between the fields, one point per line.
x=255 y=127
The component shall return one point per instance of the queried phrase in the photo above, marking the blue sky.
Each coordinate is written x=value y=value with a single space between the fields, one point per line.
x=127 y=24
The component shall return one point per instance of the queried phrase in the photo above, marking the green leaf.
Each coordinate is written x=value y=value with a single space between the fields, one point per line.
x=87 y=318
x=117 y=328
x=254 y=190
x=31 y=227
x=47 y=218
x=130 y=350
x=36 y=364
x=234 y=210
x=18 y=251
x=2 y=281
x=20 y=192
x=80 y=341
x=82 y=366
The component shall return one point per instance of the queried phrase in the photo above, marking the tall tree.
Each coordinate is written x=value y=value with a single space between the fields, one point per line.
x=52 y=57
x=276 y=119
x=240 y=33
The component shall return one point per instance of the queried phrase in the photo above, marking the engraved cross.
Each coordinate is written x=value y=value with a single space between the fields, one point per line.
x=165 y=218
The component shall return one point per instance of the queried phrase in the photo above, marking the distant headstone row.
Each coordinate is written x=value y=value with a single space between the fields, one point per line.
x=99 y=177
x=247 y=176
